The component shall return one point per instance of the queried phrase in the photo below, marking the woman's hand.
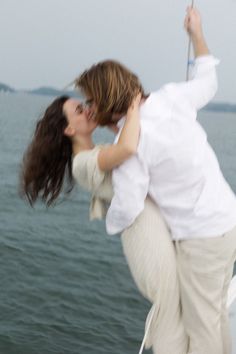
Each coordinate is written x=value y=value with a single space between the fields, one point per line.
x=134 y=104
x=193 y=23
x=112 y=156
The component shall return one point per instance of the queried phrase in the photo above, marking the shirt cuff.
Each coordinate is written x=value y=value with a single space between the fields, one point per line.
x=117 y=221
x=203 y=65
x=209 y=59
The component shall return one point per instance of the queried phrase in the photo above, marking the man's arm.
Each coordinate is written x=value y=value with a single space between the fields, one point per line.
x=130 y=184
x=193 y=26
x=200 y=90
x=203 y=86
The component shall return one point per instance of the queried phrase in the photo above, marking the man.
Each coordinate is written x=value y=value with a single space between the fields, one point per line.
x=176 y=166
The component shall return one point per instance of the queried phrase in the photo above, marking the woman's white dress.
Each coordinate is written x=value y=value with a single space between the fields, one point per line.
x=149 y=253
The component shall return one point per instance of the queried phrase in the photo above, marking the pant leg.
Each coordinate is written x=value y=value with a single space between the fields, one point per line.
x=225 y=324
x=204 y=267
x=151 y=258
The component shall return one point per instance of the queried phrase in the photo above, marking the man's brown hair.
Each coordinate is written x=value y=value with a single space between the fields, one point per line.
x=111 y=86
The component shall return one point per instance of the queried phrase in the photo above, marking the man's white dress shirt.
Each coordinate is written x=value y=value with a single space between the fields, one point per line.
x=175 y=164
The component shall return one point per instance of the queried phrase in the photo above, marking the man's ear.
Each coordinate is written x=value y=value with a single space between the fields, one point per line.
x=69 y=131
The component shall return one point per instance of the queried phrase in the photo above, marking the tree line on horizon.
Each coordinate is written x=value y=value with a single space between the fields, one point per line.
x=51 y=91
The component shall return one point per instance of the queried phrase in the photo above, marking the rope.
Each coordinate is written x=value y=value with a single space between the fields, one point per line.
x=231 y=299
x=189 y=51
x=232 y=292
x=71 y=84
x=149 y=321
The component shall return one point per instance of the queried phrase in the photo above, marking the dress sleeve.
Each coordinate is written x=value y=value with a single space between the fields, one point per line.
x=88 y=175
x=86 y=171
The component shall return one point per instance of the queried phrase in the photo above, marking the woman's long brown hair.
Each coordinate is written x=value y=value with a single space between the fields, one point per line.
x=47 y=161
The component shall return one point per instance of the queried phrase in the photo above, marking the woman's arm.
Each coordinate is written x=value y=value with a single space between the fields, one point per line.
x=113 y=155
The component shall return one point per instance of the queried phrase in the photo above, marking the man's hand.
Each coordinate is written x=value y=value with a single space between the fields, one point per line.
x=193 y=25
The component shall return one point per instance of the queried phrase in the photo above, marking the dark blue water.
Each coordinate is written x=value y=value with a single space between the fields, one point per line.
x=65 y=285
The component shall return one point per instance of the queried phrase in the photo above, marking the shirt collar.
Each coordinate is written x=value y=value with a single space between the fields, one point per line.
x=121 y=122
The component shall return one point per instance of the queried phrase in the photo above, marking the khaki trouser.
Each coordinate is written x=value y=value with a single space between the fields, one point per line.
x=205 y=268
x=151 y=258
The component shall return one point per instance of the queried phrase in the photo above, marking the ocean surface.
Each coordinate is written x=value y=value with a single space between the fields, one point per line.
x=65 y=285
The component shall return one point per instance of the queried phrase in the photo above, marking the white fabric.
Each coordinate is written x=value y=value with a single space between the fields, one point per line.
x=205 y=271
x=87 y=173
x=151 y=258
x=150 y=255
x=175 y=164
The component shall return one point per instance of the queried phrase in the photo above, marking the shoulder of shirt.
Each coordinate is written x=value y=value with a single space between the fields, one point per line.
x=86 y=153
x=163 y=89
x=166 y=91
x=83 y=156
x=86 y=161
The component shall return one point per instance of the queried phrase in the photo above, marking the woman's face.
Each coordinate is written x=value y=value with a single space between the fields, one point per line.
x=79 y=117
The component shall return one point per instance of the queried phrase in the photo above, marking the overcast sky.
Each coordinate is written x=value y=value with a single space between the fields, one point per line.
x=49 y=42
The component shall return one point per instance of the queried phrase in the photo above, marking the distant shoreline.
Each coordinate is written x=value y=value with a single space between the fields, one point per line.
x=53 y=92
x=220 y=107
x=41 y=91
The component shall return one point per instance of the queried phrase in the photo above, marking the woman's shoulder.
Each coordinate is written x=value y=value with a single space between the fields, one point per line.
x=86 y=153
x=85 y=168
x=86 y=156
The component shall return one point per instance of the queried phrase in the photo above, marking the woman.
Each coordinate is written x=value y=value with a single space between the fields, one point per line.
x=62 y=148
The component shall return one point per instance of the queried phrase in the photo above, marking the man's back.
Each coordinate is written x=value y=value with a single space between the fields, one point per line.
x=175 y=164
